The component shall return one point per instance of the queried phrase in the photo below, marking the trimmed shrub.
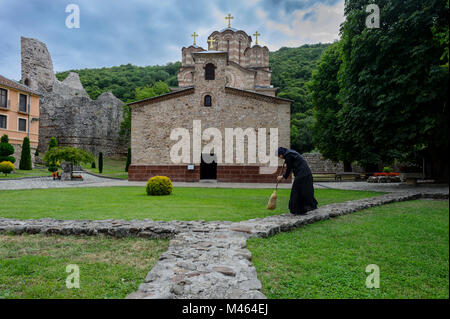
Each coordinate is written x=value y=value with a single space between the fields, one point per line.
x=128 y=159
x=159 y=185
x=25 y=157
x=53 y=143
x=100 y=162
x=93 y=165
x=6 y=167
x=6 y=150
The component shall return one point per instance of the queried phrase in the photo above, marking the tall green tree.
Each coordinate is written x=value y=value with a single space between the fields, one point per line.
x=394 y=87
x=141 y=93
x=25 y=157
x=325 y=90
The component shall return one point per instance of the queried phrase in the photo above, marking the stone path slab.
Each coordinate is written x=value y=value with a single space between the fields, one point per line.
x=204 y=259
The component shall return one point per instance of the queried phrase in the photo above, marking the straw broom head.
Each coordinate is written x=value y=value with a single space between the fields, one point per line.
x=272 y=204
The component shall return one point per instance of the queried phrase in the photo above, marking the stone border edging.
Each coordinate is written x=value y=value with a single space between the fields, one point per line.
x=204 y=259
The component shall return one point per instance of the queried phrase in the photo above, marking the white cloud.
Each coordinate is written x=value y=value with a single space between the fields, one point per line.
x=323 y=28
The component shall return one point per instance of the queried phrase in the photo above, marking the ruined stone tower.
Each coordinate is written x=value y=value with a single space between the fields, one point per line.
x=66 y=111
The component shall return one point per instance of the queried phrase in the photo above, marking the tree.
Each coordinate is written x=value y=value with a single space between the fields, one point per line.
x=6 y=150
x=100 y=162
x=53 y=143
x=325 y=89
x=301 y=132
x=128 y=159
x=141 y=93
x=68 y=154
x=393 y=86
x=25 y=157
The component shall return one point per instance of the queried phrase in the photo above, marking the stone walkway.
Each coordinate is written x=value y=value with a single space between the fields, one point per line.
x=204 y=259
x=95 y=181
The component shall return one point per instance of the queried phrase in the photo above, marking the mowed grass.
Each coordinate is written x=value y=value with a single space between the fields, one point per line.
x=133 y=203
x=34 y=266
x=112 y=167
x=18 y=173
x=409 y=242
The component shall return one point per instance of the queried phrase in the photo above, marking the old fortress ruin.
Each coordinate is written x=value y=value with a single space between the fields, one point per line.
x=66 y=111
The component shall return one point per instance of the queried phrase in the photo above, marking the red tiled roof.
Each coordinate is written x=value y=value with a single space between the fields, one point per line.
x=14 y=85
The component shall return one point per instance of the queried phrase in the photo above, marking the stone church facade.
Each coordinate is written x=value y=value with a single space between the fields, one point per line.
x=225 y=87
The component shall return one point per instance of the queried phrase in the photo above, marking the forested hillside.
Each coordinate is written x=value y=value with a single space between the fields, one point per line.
x=123 y=80
x=291 y=70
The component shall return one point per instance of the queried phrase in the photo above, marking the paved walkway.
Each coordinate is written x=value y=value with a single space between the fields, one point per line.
x=95 y=181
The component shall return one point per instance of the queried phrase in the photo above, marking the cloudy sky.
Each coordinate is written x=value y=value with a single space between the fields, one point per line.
x=149 y=32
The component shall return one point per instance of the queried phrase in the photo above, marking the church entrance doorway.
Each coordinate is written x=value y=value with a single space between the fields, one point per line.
x=208 y=166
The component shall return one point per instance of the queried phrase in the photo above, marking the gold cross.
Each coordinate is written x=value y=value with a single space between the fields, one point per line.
x=229 y=18
x=257 y=34
x=195 y=35
x=211 y=41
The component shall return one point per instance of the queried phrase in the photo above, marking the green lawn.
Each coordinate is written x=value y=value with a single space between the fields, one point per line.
x=18 y=173
x=112 y=167
x=133 y=203
x=34 y=266
x=409 y=241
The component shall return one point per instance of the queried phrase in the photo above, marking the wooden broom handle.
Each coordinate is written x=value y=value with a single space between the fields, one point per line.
x=282 y=169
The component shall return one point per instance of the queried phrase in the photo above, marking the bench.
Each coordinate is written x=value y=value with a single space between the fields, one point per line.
x=338 y=176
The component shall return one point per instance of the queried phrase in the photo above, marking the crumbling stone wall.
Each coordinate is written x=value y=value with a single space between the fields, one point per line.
x=66 y=111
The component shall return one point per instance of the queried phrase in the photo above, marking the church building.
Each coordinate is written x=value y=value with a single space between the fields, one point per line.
x=226 y=87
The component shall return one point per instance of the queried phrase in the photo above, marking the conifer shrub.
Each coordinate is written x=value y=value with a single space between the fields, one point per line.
x=25 y=157
x=6 y=150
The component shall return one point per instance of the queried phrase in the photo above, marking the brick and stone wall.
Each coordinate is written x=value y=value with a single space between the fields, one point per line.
x=225 y=173
x=320 y=165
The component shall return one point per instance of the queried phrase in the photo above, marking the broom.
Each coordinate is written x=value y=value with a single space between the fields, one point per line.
x=272 y=204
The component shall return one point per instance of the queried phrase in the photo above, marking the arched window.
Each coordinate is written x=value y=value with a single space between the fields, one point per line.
x=209 y=71
x=207 y=100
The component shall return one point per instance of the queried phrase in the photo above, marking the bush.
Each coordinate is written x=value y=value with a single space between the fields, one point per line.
x=25 y=157
x=68 y=154
x=6 y=167
x=387 y=169
x=127 y=165
x=159 y=185
x=93 y=165
x=100 y=162
x=6 y=150
x=53 y=143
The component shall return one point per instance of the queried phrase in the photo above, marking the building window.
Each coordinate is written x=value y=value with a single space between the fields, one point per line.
x=3 y=121
x=23 y=103
x=209 y=71
x=3 y=98
x=207 y=101
x=228 y=46
x=22 y=125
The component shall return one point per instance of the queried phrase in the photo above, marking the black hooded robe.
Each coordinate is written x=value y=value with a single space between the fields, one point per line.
x=302 y=193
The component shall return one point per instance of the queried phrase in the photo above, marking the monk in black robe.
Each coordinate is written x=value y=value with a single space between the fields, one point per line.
x=302 y=193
